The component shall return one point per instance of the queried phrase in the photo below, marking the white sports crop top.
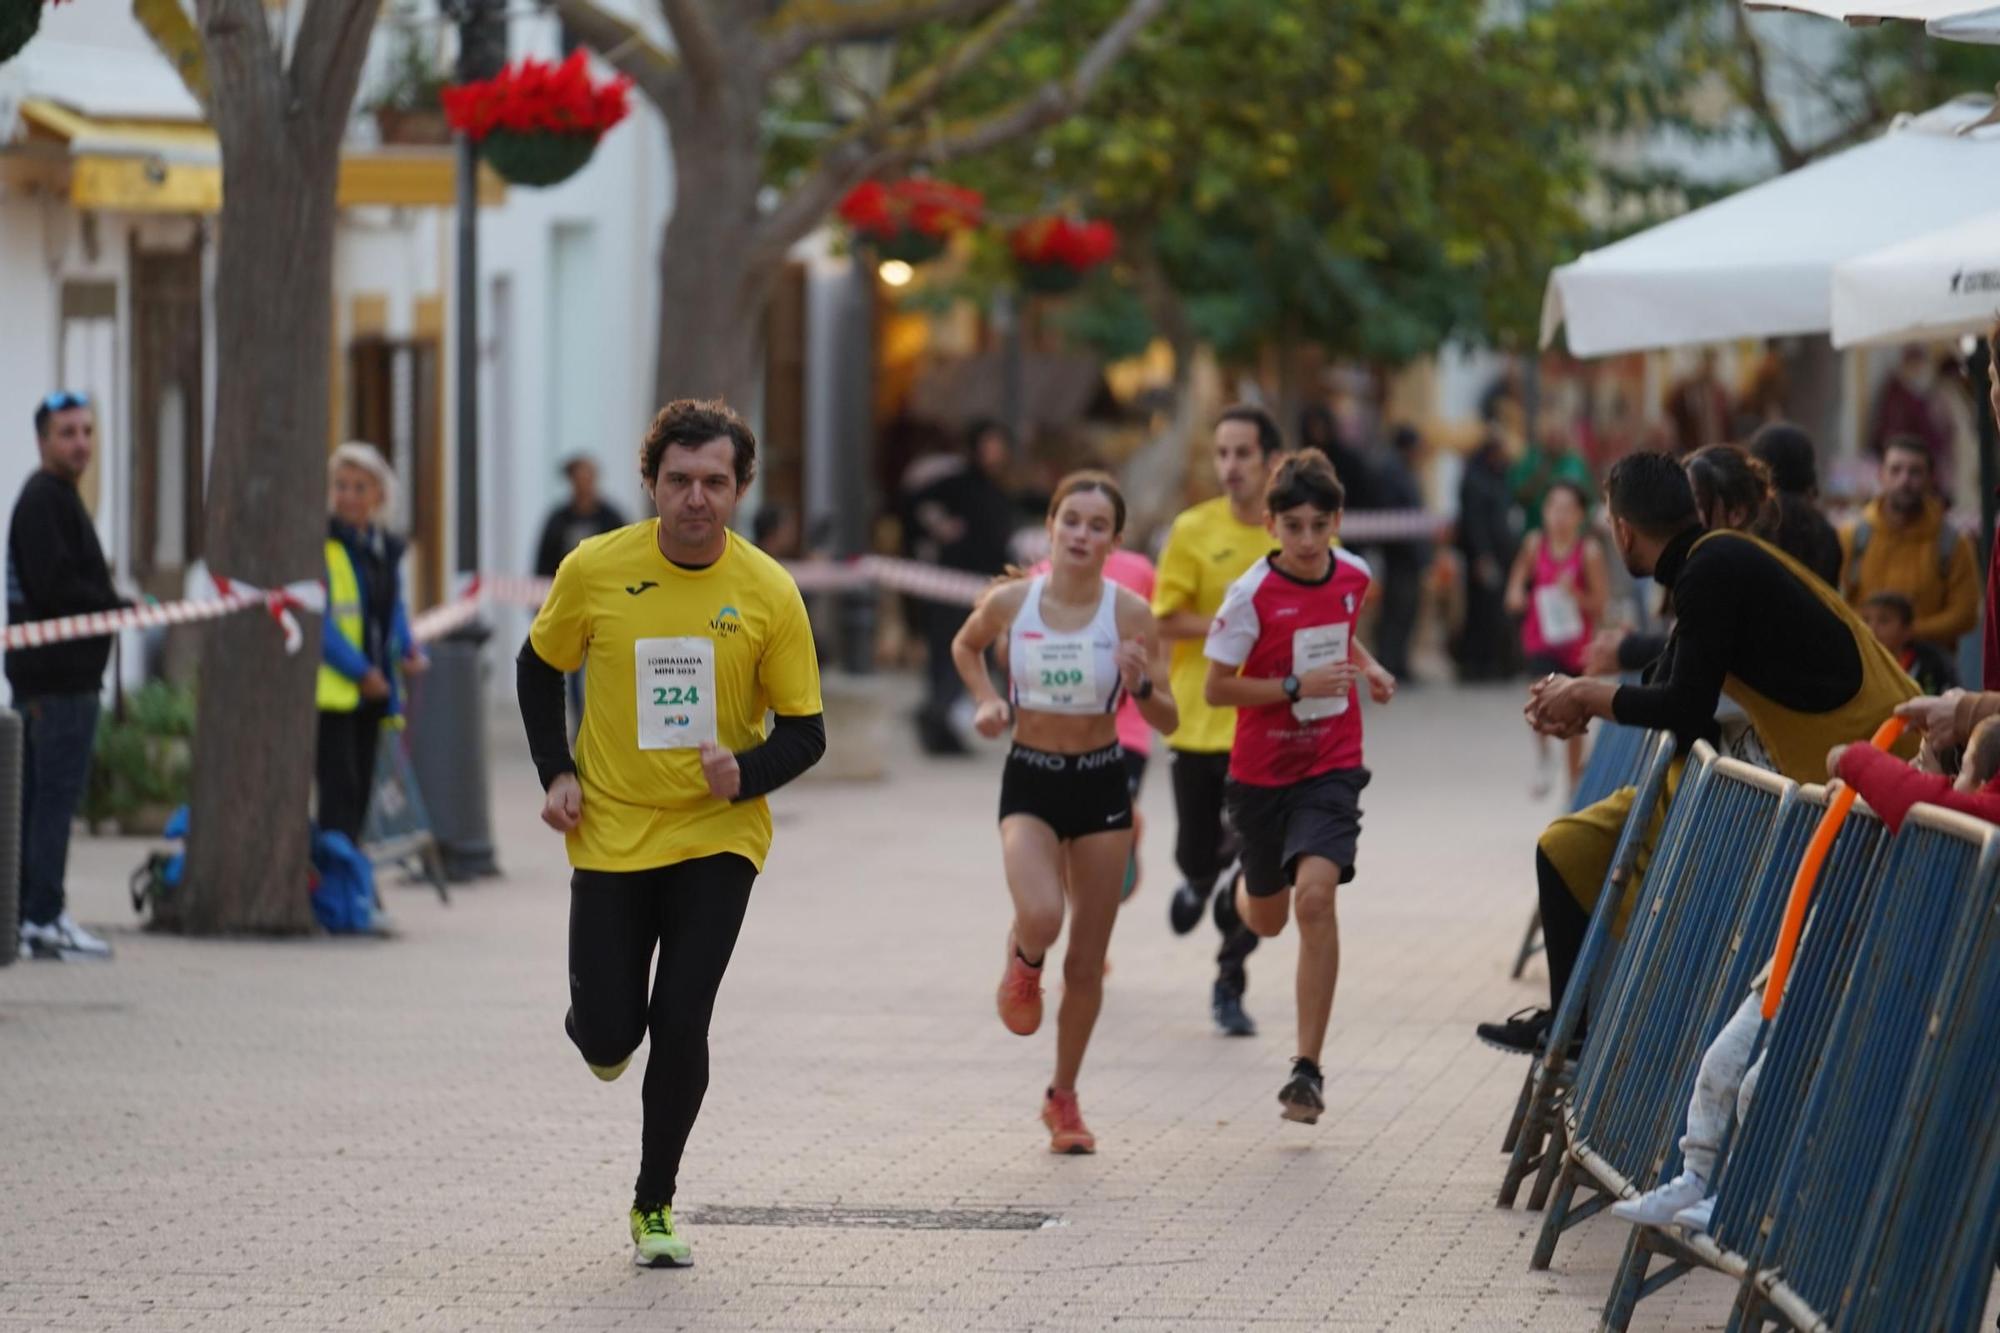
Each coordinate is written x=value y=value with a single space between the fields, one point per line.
x=1065 y=672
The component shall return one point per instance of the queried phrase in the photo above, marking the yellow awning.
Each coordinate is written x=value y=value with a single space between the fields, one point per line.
x=168 y=167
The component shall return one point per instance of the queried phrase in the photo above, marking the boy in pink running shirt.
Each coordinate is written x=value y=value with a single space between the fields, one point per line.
x=1282 y=653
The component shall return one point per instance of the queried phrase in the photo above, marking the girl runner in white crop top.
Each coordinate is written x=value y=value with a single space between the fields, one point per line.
x=1065 y=671
x=1077 y=643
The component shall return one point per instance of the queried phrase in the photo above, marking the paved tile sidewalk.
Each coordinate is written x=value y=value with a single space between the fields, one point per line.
x=396 y=1135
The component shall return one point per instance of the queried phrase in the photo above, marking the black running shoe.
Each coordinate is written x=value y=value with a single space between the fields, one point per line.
x=1303 y=1098
x=1227 y=1006
x=1184 y=909
x=1522 y=1034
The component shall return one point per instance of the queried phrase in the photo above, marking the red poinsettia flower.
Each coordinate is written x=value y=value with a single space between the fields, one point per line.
x=536 y=97
x=1065 y=242
x=929 y=208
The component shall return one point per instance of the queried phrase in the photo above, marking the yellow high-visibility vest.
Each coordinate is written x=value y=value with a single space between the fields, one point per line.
x=338 y=694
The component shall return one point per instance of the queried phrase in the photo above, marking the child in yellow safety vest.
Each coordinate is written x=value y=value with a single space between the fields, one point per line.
x=364 y=640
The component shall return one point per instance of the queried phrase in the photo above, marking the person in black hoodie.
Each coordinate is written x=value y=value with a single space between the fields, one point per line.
x=364 y=638
x=55 y=567
x=961 y=519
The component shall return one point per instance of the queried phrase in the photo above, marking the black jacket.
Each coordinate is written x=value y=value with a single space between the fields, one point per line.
x=55 y=567
x=567 y=529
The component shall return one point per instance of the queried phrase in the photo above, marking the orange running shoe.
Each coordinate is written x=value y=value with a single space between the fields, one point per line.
x=1064 y=1118
x=1020 y=998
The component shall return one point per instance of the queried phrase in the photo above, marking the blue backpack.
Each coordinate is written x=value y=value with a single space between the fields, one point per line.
x=344 y=899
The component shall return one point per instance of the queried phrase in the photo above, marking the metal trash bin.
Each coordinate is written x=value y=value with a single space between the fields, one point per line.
x=448 y=750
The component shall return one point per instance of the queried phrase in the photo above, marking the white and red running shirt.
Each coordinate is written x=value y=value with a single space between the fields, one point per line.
x=1272 y=625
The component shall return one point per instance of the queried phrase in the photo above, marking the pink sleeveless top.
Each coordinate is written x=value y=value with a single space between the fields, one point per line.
x=1548 y=572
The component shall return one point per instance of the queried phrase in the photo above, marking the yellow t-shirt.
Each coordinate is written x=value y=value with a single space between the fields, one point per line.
x=673 y=656
x=1206 y=552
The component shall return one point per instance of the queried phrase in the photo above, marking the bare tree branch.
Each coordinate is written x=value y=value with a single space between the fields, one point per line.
x=625 y=47
x=921 y=90
x=1753 y=87
x=845 y=164
x=695 y=38
x=331 y=48
x=804 y=24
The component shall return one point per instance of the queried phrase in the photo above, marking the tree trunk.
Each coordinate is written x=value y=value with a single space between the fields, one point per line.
x=713 y=283
x=256 y=734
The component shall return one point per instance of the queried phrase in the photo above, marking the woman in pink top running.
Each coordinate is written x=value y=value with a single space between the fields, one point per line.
x=1558 y=588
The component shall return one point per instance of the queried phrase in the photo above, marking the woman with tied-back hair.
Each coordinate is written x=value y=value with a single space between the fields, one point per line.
x=1078 y=644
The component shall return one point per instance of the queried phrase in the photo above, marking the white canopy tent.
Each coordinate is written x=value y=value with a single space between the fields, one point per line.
x=1759 y=264
x=1938 y=285
x=1955 y=20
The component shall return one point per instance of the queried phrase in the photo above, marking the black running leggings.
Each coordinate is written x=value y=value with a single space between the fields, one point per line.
x=692 y=911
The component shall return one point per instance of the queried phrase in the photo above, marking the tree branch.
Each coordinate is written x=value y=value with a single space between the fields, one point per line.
x=175 y=38
x=695 y=39
x=848 y=163
x=921 y=90
x=327 y=58
x=804 y=24
x=1756 y=93
x=625 y=47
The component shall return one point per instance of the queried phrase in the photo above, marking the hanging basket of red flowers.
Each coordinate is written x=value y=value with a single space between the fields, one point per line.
x=1052 y=254
x=537 y=123
x=19 y=20
x=912 y=220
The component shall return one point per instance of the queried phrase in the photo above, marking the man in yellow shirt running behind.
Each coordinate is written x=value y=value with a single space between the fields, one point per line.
x=687 y=636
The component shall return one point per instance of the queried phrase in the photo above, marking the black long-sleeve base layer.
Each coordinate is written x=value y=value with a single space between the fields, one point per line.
x=794 y=745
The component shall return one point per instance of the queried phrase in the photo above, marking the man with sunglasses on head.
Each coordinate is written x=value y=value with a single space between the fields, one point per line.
x=55 y=567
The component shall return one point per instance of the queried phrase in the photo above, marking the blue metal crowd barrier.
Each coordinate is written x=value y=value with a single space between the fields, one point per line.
x=1926 y=1238
x=1937 y=886
x=1533 y=1135
x=1712 y=898
x=1791 y=1050
x=1616 y=757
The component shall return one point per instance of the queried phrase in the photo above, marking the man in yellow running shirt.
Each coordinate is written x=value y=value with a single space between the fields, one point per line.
x=687 y=636
x=1209 y=548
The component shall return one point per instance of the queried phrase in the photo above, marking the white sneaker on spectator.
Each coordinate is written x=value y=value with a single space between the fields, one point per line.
x=1697 y=1218
x=1658 y=1207
x=78 y=942
x=41 y=941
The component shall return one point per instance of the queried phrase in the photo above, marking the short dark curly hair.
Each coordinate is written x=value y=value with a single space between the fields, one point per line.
x=691 y=423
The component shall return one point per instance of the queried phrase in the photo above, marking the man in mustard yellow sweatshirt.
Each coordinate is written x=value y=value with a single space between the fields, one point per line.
x=1902 y=543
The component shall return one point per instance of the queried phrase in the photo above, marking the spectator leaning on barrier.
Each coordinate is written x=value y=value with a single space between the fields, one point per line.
x=1750 y=622
x=364 y=638
x=55 y=567
x=1800 y=527
x=1728 y=1080
x=1902 y=543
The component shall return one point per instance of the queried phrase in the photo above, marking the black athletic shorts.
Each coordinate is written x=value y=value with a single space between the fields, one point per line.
x=1320 y=816
x=1135 y=770
x=1074 y=794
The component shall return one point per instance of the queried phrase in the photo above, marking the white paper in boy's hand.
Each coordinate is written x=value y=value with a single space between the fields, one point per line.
x=1561 y=618
x=1322 y=645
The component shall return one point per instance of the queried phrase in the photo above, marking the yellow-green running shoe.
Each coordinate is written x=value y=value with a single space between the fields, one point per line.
x=655 y=1243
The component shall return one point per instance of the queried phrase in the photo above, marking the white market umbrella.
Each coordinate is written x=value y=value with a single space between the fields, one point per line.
x=1759 y=264
x=1955 y=20
x=1938 y=285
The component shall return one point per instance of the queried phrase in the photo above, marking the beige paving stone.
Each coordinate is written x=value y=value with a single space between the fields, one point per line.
x=395 y=1135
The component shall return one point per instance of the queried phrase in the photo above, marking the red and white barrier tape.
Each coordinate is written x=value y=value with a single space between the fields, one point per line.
x=309 y=595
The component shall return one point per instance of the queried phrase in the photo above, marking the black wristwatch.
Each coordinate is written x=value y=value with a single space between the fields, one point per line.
x=1292 y=686
x=1145 y=690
